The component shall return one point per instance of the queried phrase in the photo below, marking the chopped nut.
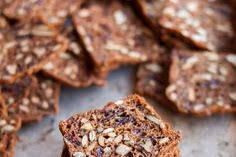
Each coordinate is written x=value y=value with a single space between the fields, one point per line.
x=99 y=129
x=191 y=94
x=212 y=56
x=156 y=68
x=84 y=13
x=232 y=96
x=108 y=130
x=2 y=122
x=8 y=128
x=35 y=99
x=11 y=69
x=87 y=126
x=126 y=137
x=231 y=58
x=190 y=62
x=84 y=141
x=123 y=150
x=107 y=151
x=213 y=68
x=42 y=31
x=84 y=120
x=223 y=71
x=79 y=154
x=49 y=92
x=92 y=136
x=45 y=105
x=209 y=101
x=91 y=147
x=164 y=140
x=147 y=145
x=118 y=139
x=24 y=108
x=111 y=134
x=171 y=88
x=155 y=120
x=198 y=107
x=39 y=51
x=48 y=66
x=101 y=141
x=120 y=17
x=119 y=102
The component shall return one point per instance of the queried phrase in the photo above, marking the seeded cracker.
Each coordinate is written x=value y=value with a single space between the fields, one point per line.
x=118 y=129
x=113 y=35
x=184 y=19
x=203 y=83
x=8 y=128
x=73 y=67
x=25 y=48
x=53 y=12
x=42 y=100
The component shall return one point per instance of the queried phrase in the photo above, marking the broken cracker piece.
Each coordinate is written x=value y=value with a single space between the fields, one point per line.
x=118 y=129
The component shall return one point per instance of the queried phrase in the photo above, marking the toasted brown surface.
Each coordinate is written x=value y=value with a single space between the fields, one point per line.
x=113 y=35
x=25 y=48
x=52 y=12
x=126 y=127
x=73 y=67
x=184 y=18
x=41 y=100
x=72 y=70
x=202 y=83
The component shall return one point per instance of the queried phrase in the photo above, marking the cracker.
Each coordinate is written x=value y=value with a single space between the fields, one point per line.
x=184 y=18
x=42 y=100
x=113 y=35
x=25 y=48
x=202 y=83
x=73 y=67
x=128 y=127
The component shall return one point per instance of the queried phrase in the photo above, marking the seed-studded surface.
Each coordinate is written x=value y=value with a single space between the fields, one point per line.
x=72 y=67
x=14 y=93
x=113 y=35
x=42 y=100
x=72 y=70
x=25 y=48
x=57 y=11
x=128 y=127
x=22 y=9
x=205 y=24
x=203 y=83
x=53 y=12
x=152 y=79
x=8 y=128
x=174 y=153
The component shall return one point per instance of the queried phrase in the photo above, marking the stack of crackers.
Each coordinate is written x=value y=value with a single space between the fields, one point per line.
x=185 y=48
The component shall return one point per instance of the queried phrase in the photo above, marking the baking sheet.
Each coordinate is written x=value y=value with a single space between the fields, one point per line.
x=202 y=137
